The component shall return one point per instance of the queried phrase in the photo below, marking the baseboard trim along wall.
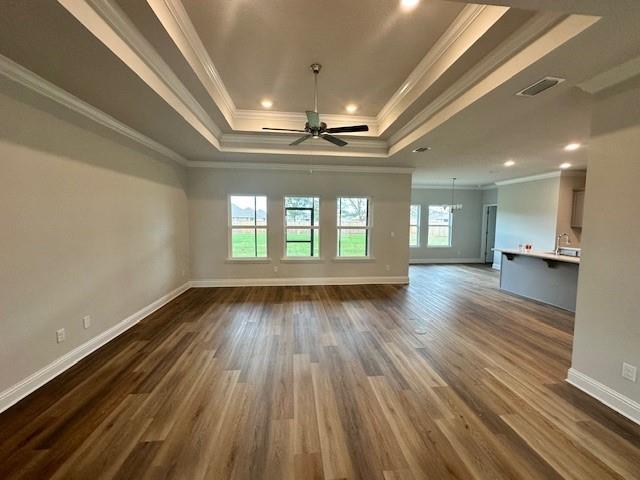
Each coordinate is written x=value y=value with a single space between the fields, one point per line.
x=272 y=282
x=496 y=266
x=612 y=399
x=20 y=390
x=429 y=261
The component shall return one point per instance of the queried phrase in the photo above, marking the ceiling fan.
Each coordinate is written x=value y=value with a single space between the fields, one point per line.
x=314 y=128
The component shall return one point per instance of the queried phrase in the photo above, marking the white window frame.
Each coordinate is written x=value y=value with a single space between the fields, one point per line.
x=429 y=225
x=231 y=227
x=368 y=228
x=417 y=225
x=313 y=228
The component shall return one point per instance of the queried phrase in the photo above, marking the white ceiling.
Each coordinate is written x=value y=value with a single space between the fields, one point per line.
x=190 y=75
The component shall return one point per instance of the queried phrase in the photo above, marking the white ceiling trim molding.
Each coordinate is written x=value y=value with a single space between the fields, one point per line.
x=524 y=36
x=513 y=56
x=302 y=167
x=28 y=79
x=470 y=25
x=237 y=139
x=254 y=120
x=612 y=77
x=105 y=20
x=531 y=178
x=176 y=22
x=426 y=186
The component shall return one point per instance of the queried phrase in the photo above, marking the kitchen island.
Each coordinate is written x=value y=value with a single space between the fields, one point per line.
x=542 y=276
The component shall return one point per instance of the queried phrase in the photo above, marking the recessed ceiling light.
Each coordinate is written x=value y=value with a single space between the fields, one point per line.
x=409 y=4
x=571 y=147
x=266 y=103
x=564 y=166
x=509 y=163
x=351 y=108
x=421 y=149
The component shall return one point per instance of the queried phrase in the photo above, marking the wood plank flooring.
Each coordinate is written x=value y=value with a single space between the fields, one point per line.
x=446 y=378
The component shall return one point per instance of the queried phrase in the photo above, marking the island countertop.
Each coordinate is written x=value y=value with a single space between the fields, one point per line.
x=542 y=255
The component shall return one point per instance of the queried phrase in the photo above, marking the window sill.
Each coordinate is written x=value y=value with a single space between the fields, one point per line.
x=414 y=246
x=439 y=246
x=354 y=259
x=248 y=260
x=302 y=259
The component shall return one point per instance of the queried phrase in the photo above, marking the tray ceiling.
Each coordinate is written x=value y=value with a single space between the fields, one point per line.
x=189 y=74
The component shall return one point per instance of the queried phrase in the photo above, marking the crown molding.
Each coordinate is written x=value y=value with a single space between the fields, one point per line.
x=294 y=167
x=426 y=186
x=235 y=139
x=509 y=47
x=176 y=22
x=105 y=20
x=254 y=120
x=542 y=34
x=470 y=24
x=531 y=178
x=28 y=79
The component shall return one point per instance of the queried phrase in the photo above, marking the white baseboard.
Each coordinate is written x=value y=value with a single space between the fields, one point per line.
x=23 y=388
x=428 y=261
x=271 y=282
x=612 y=399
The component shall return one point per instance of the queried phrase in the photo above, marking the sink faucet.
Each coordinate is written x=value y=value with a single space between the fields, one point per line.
x=558 y=240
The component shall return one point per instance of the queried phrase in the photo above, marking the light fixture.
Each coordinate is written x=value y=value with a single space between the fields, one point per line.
x=421 y=149
x=564 y=166
x=351 y=108
x=572 y=147
x=509 y=163
x=266 y=103
x=454 y=207
x=409 y=4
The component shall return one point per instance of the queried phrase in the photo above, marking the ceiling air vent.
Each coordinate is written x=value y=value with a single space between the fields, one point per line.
x=540 y=86
x=421 y=149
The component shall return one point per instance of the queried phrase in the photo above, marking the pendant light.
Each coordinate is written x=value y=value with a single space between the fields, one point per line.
x=454 y=207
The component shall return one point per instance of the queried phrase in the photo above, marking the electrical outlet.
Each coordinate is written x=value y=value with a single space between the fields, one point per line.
x=393 y=234
x=60 y=335
x=388 y=267
x=86 y=321
x=275 y=269
x=629 y=372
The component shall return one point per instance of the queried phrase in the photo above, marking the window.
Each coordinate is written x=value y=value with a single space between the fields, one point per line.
x=414 y=226
x=439 y=226
x=302 y=226
x=248 y=225
x=353 y=227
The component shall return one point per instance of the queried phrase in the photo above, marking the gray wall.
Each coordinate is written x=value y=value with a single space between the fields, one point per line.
x=466 y=228
x=208 y=193
x=490 y=196
x=527 y=213
x=569 y=182
x=88 y=226
x=607 y=328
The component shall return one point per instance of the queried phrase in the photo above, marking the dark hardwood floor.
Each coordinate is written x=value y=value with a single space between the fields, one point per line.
x=446 y=378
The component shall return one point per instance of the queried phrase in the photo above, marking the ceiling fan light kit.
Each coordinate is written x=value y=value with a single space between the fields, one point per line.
x=314 y=128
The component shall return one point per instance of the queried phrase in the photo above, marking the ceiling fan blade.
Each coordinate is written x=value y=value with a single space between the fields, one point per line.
x=335 y=140
x=300 y=140
x=313 y=118
x=353 y=128
x=283 y=129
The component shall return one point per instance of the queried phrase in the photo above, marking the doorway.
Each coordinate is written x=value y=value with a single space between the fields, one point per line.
x=489 y=215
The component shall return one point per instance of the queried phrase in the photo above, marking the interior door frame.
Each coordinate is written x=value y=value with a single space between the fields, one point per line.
x=483 y=233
